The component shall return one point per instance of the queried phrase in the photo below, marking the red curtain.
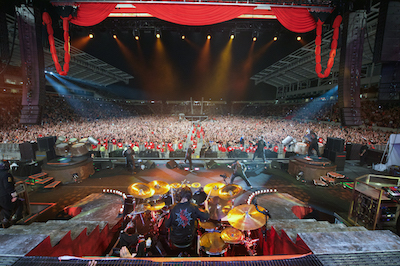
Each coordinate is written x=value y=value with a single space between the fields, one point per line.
x=193 y=15
x=90 y=14
x=295 y=19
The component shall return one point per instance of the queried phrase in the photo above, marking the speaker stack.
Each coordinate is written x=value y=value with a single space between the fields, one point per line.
x=46 y=148
x=334 y=151
x=28 y=151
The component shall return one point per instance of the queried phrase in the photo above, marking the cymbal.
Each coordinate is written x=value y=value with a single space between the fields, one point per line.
x=141 y=208
x=196 y=185
x=246 y=217
x=212 y=243
x=141 y=190
x=160 y=187
x=229 y=191
x=213 y=188
x=219 y=208
x=155 y=206
x=232 y=235
x=175 y=185
x=208 y=225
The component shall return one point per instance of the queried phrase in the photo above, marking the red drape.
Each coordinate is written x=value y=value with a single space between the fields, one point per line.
x=194 y=15
x=90 y=14
x=295 y=19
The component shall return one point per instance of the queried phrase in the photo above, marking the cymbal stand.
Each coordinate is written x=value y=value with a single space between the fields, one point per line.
x=250 y=244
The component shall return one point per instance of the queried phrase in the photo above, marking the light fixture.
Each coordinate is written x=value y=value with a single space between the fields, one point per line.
x=91 y=36
x=298 y=38
x=208 y=36
x=183 y=36
x=255 y=35
x=136 y=34
x=158 y=33
x=232 y=36
x=115 y=36
x=275 y=38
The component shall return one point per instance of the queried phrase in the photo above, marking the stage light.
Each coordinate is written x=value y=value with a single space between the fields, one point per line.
x=232 y=36
x=208 y=36
x=298 y=38
x=158 y=33
x=114 y=36
x=254 y=39
x=183 y=37
x=275 y=38
x=136 y=34
x=91 y=36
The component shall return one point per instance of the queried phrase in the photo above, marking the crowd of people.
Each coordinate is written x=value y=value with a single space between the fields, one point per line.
x=124 y=122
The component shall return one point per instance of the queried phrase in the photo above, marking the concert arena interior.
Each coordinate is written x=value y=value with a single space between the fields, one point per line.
x=276 y=123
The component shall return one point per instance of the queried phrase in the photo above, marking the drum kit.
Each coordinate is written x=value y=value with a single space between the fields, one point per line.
x=72 y=147
x=227 y=228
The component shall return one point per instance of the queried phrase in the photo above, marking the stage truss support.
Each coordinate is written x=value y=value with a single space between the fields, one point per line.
x=350 y=67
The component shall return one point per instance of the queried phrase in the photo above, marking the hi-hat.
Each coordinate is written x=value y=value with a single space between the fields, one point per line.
x=208 y=225
x=246 y=217
x=196 y=185
x=141 y=208
x=232 y=235
x=229 y=191
x=213 y=188
x=160 y=187
x=219 y=208
x=212 y=243
x=156 y=206
x=141 y=190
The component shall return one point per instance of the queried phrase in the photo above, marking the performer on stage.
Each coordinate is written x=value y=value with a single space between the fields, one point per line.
x=182 y=219
x=188 y=157
x=239 y=169
x=312 y=139
x=130 y=158
x=363 y=153
x=8 y=195
x=260 y=149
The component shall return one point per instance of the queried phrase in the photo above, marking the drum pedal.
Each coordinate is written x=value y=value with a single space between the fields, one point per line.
x=224 y=177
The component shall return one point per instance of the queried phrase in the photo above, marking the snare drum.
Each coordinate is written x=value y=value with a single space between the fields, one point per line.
x=79 y=149
x=62 y=149
x=72 y=141
x=301 y=148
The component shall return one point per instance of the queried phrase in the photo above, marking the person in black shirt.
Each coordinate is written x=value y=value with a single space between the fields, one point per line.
x=8 y=195
x=129 y=155
x=182 y=220
x=363 y=153
x=260 y=149
x=239 y=169
x=313 y=142
x=188 y=157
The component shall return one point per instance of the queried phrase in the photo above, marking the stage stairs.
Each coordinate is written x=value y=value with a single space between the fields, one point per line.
x=292 y=227
x=55 y=229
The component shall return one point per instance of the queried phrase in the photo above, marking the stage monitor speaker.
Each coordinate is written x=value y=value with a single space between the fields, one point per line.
x=335 y=144
x=46 y=143
x=178 y=154
x=211 y=164
x=353 y=151
x=28 y=151
x=116 y=153
x=150 y=164
x=289 y=154
x=171 y=164
x=270 y=154
x=211 y=154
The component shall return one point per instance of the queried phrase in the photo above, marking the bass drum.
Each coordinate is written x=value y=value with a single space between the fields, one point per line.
x=79 y=149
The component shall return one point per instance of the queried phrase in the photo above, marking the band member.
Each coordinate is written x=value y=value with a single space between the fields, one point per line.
x=182 y=219
x=363 y=153
x=8 y=195
x=188 y=157
x=312 y=138
x=129 y=155
x=260 y=149
x=239 y=169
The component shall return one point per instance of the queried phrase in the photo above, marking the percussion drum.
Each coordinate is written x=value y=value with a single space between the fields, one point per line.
x=301 y=148
x=79 y=149
x=73 y=141
x=84 y=140
x=62 y=149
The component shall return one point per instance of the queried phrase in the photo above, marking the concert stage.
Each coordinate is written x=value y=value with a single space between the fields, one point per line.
x=63 y=168
x=312 y=167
